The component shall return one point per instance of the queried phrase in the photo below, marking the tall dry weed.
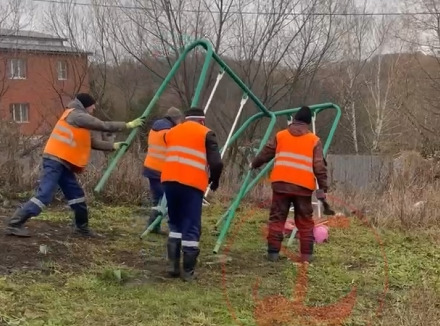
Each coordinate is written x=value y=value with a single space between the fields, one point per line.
x=409 y=198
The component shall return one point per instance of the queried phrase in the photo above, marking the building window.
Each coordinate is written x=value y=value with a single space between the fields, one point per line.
x=20 y=112
x=62 y=70
x=17 y=68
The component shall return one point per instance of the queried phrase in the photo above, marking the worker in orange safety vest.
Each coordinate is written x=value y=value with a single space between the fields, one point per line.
x=192 y=162
x=299 y=163
x=155 y=159
x=67 y=152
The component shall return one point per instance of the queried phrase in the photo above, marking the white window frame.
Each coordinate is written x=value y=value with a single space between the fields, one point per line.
x=17 y=68
x=62 y=68
x=19 y=111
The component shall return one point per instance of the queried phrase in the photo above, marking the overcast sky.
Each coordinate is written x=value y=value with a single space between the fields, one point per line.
x=38 y=9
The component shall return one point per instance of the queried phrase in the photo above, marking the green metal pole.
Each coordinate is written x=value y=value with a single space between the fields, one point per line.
x=196 y=98
x=242 y=85
x=319 y=108
x=158 y=220
x=252 y=184
x=240 y=130
x=332 y=131
x=205 y=44
x=202 y=78
x=243 y=188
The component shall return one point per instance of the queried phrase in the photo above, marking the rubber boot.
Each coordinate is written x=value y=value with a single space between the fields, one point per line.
x=273 y=250
x=306 y=258
x=273 y=256
x=16 y=225
x=82 y=223
x=173 y=248
x=327 y=209
x=84 y=231
x=189 y=264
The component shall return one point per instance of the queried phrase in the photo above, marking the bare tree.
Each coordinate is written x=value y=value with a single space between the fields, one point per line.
x=384 y=99
x=154 y=32
x=422 y=36
x=357 y=46
x=87 y=31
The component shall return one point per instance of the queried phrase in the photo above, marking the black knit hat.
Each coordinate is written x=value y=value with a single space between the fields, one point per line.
x=85 y=99
x=194 y=113
x=304 y=115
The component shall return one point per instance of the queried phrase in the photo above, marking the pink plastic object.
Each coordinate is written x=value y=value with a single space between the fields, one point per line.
x=320 y=233
x=290 y=224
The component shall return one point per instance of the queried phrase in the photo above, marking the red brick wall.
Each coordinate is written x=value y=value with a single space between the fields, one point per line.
x=46 y=95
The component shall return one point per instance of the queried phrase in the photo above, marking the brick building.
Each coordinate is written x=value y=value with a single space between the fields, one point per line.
x=38 y=76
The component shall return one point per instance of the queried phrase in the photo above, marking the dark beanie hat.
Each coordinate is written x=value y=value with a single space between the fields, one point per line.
x=194 y=113
x=304 y=115
x=85 y=99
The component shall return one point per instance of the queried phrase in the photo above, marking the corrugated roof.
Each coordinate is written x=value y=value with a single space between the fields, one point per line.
x=29 y=34
x=23 y=40
x=40 y=48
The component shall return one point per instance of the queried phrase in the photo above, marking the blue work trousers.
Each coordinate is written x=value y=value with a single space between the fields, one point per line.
x=156 y=190
x=55 y=174
x=185 y=214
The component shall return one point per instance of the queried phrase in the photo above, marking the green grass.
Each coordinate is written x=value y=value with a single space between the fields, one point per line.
x=124 y=285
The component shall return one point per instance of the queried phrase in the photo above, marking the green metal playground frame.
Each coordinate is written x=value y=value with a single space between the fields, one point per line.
x=248 y=182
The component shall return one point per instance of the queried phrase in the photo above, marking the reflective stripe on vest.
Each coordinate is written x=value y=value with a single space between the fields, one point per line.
x=68 y=139
x=186 y=160
x=294 y=159
x=156 y=150
x=279 y=161
x=69 y=143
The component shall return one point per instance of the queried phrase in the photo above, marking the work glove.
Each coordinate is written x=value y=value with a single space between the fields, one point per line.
x=213 y=185
x=320 y=194
x=118 y=145
x=135 y=123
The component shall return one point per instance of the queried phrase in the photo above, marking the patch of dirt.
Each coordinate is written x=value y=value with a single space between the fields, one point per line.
x=65 y=251
x=69 y=253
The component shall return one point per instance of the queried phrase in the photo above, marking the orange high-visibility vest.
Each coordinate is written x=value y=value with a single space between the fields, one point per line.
x=185 y=160
x=294 y=159
x=156 y=150
x=69 y=143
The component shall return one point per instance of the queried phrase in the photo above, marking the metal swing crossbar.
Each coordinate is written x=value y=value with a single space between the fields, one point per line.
x=209 y=55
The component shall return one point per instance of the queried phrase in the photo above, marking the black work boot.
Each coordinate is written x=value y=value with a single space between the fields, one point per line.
x=84 y=231
x=189 y=264
x=273 y=251
x=307 y=258
x=273 y=256
x=16 y=225
x=82 y=222
x=173 y=248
